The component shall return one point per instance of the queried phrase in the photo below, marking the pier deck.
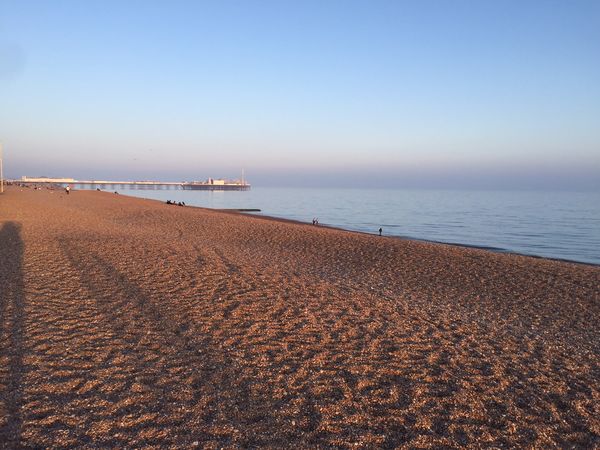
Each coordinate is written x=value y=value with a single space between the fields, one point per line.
x=93 y=184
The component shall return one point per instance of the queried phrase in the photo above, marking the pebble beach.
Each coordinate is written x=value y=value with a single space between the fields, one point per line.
x=130 y=323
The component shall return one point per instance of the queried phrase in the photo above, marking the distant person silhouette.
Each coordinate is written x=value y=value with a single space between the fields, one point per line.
x=380 y=230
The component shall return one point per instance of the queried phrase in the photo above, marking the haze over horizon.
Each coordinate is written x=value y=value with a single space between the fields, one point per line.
x=369 y=94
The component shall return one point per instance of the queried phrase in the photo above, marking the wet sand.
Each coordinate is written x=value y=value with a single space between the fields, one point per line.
x=131 y=323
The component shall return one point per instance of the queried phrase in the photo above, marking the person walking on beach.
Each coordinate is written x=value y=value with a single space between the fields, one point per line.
x=68 y=189
x=380 y=230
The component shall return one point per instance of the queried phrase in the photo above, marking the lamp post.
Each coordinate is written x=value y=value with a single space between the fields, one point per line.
x=1 y=176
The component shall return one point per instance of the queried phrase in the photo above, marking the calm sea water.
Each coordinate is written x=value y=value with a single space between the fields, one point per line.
x=564 y=225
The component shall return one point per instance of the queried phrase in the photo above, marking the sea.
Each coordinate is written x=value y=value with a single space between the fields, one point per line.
x=558 y=225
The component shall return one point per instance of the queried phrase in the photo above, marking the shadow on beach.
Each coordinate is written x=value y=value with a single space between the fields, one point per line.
x=204 y=375
x=12 y=301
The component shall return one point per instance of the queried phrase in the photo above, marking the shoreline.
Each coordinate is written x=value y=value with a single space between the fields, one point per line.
x=251 y=212
x=492 y=249
x=127 y=323
x=497 y=250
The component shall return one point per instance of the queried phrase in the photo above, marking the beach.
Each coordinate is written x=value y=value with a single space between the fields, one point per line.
x=130 y=323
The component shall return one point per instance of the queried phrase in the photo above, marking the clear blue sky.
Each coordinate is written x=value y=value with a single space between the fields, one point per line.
x=386 y=93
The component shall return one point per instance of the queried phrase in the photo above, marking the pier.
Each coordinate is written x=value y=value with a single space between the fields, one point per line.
x=209 y=185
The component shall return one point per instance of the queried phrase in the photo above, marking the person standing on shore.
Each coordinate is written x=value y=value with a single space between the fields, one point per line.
x=380 y=230
x=68 y=189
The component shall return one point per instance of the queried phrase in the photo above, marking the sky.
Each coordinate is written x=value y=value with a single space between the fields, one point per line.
x=434 y=94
